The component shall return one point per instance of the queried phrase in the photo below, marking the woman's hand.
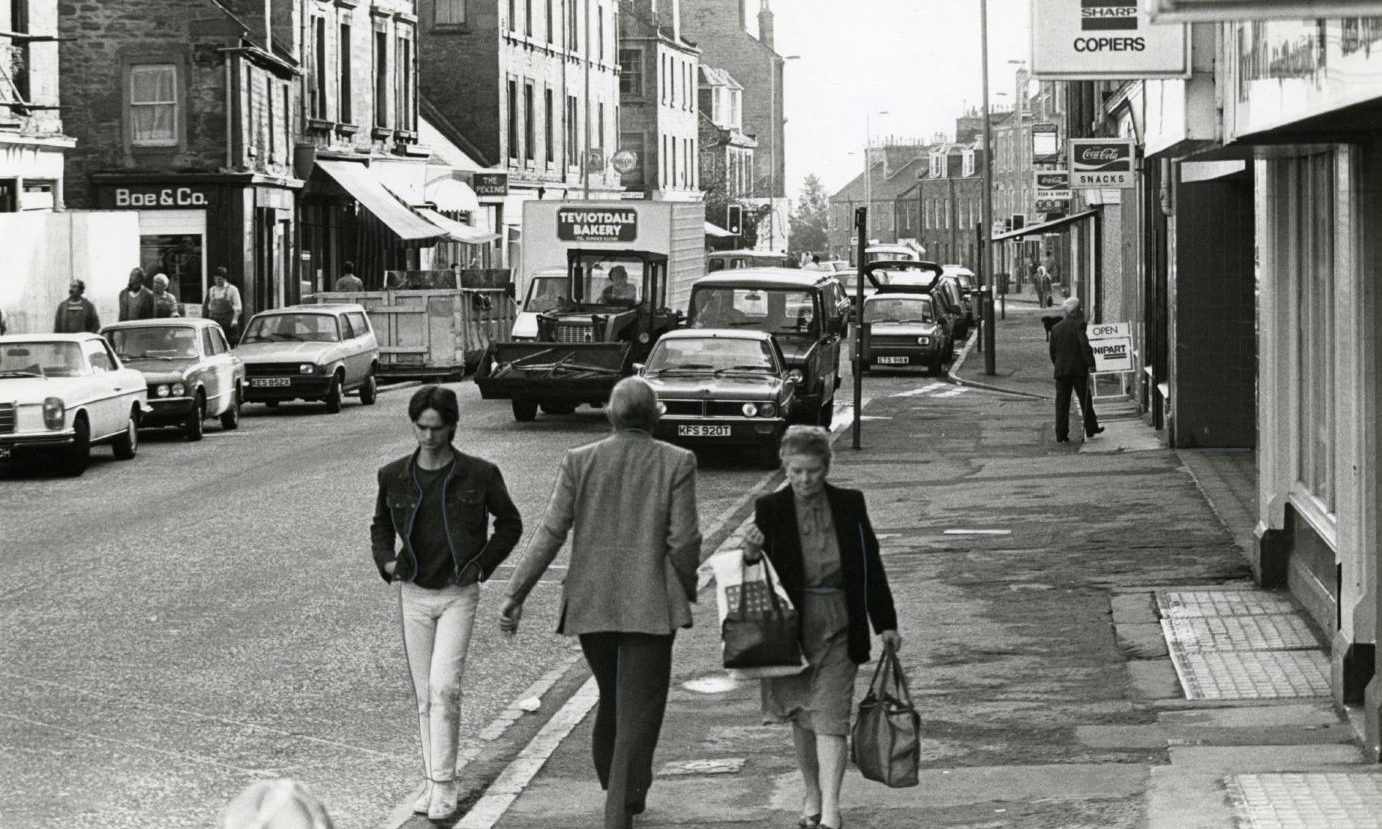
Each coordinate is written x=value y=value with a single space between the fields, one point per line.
x=892 y=639
x=753 y=544
x=390 y=567
x=510 y=612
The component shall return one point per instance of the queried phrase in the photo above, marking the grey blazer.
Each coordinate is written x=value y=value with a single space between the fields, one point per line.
x=629 y=502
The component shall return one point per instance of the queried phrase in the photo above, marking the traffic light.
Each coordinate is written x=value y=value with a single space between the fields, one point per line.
x=734 y=219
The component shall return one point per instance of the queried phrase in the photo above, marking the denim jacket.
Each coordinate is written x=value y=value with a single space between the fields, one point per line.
x=473 y=491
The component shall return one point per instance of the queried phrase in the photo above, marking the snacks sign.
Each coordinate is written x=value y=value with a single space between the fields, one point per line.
x=1101 y=162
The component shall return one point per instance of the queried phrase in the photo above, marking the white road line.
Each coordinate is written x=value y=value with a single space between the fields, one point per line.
x=955 y=393
x=923 y=390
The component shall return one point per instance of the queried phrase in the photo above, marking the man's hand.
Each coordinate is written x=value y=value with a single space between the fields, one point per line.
x=510 y=612
x=892 y=639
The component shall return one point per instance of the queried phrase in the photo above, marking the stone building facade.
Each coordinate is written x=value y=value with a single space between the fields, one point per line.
x=32 y=142
x=658 y=96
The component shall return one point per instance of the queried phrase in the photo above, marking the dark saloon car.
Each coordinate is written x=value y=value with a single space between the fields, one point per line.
x=902 y=331
x=189 y=368
x=721 y=387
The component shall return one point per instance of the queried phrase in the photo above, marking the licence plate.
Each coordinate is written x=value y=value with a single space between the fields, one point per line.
x=689 y=431
x=270 y=382
x=894 y=361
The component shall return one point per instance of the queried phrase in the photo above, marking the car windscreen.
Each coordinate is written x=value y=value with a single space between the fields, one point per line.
x=52 y=359
x=775 y=310
x=904 y=309
x=714 y=355
x=167 y=342
x=546 y=293
x=297 y=328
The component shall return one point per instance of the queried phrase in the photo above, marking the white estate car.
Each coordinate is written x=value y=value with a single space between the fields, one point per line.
x=63 y=392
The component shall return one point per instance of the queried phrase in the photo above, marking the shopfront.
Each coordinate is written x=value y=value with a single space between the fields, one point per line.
x=190 y=225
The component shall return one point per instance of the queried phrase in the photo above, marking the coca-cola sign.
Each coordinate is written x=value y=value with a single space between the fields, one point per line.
x=1101 y=162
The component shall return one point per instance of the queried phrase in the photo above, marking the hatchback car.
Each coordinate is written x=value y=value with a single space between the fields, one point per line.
x=722 y=387
x=901 y=330
x=189 y=369
x=310 y=352
x=61 y=393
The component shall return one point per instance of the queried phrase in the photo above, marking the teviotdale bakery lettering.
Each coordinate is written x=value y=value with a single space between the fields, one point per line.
x=1109 y=15
x=597 y=225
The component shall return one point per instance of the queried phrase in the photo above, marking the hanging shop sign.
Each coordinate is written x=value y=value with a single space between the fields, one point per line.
x=1052 y=185
x=490 y=184
x=1094 y=40
x=1111 y=343
x=1045 y=143
x=1185 y=11
x=579 y=224
x=1101 y=162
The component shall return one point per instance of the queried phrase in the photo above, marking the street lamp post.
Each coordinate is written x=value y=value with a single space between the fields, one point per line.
x=868 y=174
x=774 y=66
x=986 y=236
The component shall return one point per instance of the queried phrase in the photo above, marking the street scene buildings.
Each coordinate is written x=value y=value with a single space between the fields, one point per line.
x=239 y=235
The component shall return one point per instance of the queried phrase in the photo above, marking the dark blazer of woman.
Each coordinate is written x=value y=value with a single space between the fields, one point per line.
x=867 y=596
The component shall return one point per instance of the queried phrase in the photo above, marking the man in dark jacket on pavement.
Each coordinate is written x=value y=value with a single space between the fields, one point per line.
x=1073 y=359
x=76 y=313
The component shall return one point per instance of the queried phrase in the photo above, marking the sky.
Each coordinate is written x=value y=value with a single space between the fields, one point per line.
x=918 y=60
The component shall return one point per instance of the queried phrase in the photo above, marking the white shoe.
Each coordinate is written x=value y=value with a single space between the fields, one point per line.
x=424 y=800
x=443 y=801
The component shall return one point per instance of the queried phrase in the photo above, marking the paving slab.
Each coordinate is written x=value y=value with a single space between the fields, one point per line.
x=1332 y=800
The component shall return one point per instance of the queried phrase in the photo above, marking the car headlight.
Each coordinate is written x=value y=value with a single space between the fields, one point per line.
x=767 y=410
x=178 y=390
x=750 y=410
x=161 y=390
x=54 y=412
x=923 y=340
x=661 y=408
x=307 y=368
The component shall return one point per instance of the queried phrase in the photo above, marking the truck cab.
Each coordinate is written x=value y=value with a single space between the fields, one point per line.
x=805 y=311
x=547 y=288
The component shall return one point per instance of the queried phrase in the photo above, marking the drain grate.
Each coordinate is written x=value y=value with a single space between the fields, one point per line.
x=1222 y=603
x=1277 y=632
x=1326 y=800
x=1251 y=674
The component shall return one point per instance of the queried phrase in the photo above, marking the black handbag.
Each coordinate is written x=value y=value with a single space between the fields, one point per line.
x=762 y=631
x=886 y=737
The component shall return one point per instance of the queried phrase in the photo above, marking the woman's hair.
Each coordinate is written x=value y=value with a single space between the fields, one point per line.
x=438 y=398
x=160 y=279
x=632 y=405
x=808 y=440
x=274 y=804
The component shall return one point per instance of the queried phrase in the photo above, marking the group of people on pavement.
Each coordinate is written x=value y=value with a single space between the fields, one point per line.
x=628 y=502
x=137 y=302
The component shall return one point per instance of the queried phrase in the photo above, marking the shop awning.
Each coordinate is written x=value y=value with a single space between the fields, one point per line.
x=1046 y=227
x=457 y=231
x=712 y=229
x=370 y=192
x=451 y=194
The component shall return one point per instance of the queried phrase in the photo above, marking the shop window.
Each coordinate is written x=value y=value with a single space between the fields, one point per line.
x=153 y=105
x=179 y=257
x=1313 y=239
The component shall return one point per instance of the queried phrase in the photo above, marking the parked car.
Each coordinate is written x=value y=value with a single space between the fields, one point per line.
x=892 y=253
x=61 y=393
x=188 y=367
x=902 y=330
x=310 y=352
x=968 y=284
x=722 y=387
x=729 y=260
x=925 y=278
x=835 y=265
x=805 y=311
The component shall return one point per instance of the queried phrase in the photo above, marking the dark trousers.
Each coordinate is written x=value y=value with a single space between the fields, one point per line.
x=1079 y=383
x=633 y=671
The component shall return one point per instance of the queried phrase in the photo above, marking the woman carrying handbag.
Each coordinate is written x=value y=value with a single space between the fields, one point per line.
x=820 y=542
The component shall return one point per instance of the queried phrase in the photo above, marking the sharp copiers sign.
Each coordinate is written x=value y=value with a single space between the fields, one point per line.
x=1104 y=40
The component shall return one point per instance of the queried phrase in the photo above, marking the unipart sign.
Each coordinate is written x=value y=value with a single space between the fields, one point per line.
x=1101 y=162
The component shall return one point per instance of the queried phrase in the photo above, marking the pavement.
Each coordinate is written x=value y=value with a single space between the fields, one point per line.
x=1081 y=635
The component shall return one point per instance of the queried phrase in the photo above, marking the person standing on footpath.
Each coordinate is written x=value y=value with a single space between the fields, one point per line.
x=348 y=281
x=222 y=304
x=76 y=313
x=136 y=301
x=822 y=545
x=629 y=502
x=1073 y=360
x=165 y=303
x=438 y=502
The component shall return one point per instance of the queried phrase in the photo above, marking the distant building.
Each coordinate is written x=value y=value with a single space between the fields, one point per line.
x=893 y=167
x=944 y=206
x=658 y=122
x=727 y=153
x=32 y=142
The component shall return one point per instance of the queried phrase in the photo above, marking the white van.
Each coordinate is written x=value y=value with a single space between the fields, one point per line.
x=546 y=288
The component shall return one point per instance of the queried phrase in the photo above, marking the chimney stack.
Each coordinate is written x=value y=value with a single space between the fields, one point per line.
x=765 y=23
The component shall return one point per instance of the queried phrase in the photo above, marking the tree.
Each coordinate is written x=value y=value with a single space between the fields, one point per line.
x=812 y=218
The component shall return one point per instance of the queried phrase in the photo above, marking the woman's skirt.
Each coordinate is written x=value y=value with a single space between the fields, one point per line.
x=819 y=698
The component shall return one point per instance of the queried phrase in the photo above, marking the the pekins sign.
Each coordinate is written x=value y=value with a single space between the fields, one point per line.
x=606 y=224
x=1101 y=162
x=1104 y=40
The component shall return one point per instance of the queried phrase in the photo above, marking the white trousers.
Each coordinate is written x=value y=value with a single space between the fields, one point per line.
x=436 y=636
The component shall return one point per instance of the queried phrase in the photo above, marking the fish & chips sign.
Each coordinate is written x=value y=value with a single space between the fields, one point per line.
x=576 y=224
x=1092 y=40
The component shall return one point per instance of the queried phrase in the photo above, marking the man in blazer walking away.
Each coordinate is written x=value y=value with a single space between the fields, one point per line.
x=629 y=502
x=1073 y=360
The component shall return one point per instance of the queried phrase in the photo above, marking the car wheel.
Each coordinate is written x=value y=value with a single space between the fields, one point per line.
x=768 y=457
x=333 y=394
x=78 y=455
x=230 y=418
x=369 y=392
x=524 y=410
x=194 y=427
x=125 y=446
